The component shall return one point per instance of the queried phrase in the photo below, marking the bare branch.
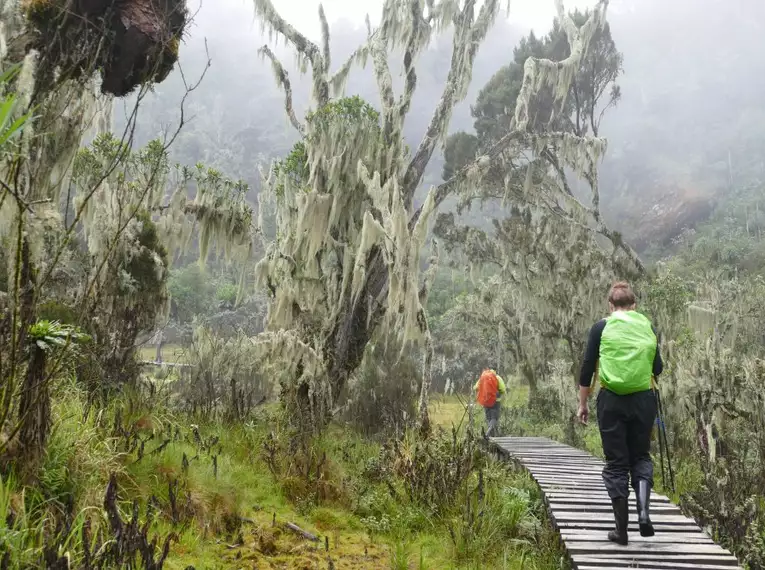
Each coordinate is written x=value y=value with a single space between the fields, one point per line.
x=600 y=229
x=443 y=191
x=325 y=38
x=553 y=160
x=337 y=81
x=282 y=78
x=410 y=52
x=306 y=49
x=467 y=38
x=189 y=89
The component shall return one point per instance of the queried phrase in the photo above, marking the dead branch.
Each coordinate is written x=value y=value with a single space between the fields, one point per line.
x=265 y=10
x=304 y=533
x=282 y=78
x=468 y=36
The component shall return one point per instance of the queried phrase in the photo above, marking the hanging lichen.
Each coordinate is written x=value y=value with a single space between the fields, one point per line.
x=135 y=214
x=345 y=260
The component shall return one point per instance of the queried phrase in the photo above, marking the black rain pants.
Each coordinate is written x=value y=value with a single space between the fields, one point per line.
x=626 y=423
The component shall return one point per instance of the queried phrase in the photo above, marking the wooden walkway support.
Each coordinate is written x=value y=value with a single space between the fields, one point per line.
x=580 y=509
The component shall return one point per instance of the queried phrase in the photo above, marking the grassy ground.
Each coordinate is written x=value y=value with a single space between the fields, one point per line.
x=233 y=509
x=450 y=410
x=244 y=487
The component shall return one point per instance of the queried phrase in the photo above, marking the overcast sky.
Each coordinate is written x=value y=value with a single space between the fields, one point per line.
x=530 y=13
x=536 y=14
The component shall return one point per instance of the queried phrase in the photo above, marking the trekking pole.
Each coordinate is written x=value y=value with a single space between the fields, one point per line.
x=661 y=447
x=663 y=431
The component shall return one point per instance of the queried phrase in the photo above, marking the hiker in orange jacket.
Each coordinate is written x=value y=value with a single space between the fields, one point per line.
x=489 y=391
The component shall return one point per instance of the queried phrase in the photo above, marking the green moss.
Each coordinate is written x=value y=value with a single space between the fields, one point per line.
x=57 y=311
x=242 y=498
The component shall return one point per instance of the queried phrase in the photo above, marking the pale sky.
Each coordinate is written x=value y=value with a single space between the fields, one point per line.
x=536 y=14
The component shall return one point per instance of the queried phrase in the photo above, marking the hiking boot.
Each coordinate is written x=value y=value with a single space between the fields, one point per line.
x=643 y=497
x=621 y=517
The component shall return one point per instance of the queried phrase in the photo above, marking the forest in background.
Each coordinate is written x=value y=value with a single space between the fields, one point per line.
x=688 y=125
x=324 y=283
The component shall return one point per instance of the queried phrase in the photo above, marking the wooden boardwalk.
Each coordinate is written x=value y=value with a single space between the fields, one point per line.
x=580 y=509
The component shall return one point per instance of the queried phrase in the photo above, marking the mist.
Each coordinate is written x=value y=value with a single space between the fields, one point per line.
x=689 y=128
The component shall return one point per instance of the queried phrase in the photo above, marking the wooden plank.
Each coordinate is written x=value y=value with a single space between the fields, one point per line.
x=681 y=561
x=657 y=566
x=633 y=527
x=574 y=493
x=591 y=481
x=584 y=487
x=592 y=507
x=551 y=452
x=570 y=481
x=580 y=509
x=566 y=470
x=595 y=476
x=579 y=516
x=604 y=500
x=546 y=449
x=599 y=559
x=564 y=467
x=668 y=550
x=587 y=535
x=556 y=462
x=596 y=499
x=604 y=503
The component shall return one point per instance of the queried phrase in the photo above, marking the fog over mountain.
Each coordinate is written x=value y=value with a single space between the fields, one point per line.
x=690 y=125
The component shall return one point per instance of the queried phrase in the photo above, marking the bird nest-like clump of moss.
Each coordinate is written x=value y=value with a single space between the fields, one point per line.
x=129 y=42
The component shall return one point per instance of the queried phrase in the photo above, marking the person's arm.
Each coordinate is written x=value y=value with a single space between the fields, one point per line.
x=658 y=363
x=584 y=394
x=591 y=354
x=501 y=385
x=589 y=364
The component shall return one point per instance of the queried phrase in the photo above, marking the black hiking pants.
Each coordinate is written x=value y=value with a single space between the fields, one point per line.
x=625 y=425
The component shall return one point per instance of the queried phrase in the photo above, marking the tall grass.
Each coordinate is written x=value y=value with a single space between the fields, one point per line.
x=224 y=495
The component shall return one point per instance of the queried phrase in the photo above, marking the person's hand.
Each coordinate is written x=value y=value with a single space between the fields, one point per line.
x=583 y=414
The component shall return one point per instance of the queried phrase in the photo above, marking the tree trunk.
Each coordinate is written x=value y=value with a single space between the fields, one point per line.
x=423 y=420
x=344 y=349
x=529 y=374
x=576 y=355
x=34 y=408
x=160 y=343
x=34 y=405
x=354 y=329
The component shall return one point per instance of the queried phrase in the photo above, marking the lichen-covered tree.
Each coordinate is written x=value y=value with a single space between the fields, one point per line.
x=345 y=260
x=556 y=133
x=140 y=216
x=711 y=325
x=546 y=289
x=543 y=243
x=71 y=57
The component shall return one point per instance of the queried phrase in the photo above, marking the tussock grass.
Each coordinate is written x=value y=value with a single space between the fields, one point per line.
x=223 y=517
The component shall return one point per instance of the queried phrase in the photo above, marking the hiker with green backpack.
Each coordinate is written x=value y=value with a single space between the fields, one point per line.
x=623 y=353
x=489 y=390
